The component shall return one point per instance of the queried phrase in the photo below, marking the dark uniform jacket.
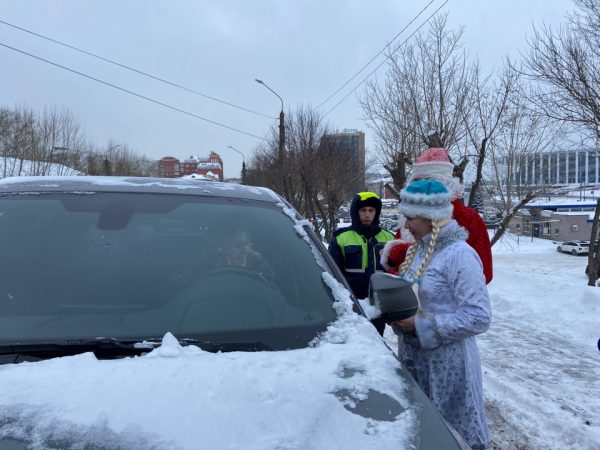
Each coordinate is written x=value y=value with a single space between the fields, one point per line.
x=356 y=250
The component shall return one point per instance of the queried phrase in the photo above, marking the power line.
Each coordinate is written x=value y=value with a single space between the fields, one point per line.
x=386 y=58
x=135 y=70
x=131 y=92
x=374 y=57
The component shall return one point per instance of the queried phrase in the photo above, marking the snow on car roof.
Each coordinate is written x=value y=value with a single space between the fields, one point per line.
x=136 y=184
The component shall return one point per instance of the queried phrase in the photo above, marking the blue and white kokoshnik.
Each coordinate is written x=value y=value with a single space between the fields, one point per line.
x=428 y=199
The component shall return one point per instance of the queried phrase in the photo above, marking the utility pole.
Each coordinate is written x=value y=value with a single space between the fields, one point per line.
x=281 y=153
x=281 y=150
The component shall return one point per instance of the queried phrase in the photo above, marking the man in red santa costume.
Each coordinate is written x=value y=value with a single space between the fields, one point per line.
x=434 y=163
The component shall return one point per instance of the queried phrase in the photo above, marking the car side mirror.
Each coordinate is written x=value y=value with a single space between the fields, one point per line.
x=393 y=295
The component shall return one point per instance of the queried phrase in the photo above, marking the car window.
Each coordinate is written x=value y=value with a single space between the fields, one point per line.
x=139 y=265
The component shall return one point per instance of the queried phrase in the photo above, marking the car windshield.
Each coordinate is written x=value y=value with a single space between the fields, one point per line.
x=134 y=266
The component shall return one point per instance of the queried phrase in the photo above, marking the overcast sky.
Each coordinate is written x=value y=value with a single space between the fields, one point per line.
x=304 y=50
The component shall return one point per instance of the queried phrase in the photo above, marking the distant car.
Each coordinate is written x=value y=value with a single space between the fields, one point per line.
x=574 y=247
x=108 y=282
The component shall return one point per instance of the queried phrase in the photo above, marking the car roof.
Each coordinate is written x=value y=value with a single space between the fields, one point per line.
x=137 y=185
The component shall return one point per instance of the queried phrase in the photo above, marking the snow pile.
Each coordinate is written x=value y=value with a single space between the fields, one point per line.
x=11 y=167
x=186 y=398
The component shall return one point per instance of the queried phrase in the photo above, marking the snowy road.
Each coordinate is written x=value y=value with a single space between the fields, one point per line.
x=541 y=362
x=541 y=389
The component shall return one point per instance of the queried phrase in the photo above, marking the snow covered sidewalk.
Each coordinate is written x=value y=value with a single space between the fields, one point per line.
x=540 y=357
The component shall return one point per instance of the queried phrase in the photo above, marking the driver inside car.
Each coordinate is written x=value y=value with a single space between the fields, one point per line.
x=236 y=249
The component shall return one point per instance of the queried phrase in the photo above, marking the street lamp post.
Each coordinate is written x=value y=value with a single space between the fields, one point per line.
x=243 y=163
x=280 y=154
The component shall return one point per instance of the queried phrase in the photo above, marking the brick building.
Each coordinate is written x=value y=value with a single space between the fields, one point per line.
x=212 y=166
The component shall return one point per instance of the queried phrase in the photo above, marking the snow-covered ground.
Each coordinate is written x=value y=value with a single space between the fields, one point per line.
x=12 y=167
x=541 y=364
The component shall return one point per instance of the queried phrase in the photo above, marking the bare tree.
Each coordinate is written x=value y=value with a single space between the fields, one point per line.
x=59 y=142
x=594 y=254
x=509 y=215
x=566 y=65
x=332 y=187
x=6 y=128
x=397 y=143
x=38 y=144
x=117 y=160
x=490 y=101
x=514 y=171
x=19 y=141
x=51 y=143
x=423 y=100
x=318 y=176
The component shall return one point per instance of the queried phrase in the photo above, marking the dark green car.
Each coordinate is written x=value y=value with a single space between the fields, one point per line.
x=155 y=313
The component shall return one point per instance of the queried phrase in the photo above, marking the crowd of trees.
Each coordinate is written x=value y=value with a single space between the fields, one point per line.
x=313 y=174
x=51 y=142
x=435 y=93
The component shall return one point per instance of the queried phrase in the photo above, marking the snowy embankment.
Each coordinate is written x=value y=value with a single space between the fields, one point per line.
x=12 y=167
x=541 y=364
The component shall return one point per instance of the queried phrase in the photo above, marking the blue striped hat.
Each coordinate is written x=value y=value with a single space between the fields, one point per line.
x=428 y=199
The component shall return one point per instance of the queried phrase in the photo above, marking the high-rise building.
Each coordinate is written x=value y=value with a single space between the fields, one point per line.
x=350 y=144
x=558 y=167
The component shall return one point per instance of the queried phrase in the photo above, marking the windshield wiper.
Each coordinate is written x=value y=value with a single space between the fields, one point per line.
x=102 y=348
x=107 y=348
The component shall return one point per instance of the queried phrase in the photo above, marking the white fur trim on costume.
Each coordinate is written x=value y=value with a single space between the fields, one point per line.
x=431 y=169
x=436 y=199
x=451 y=183
x=426 y=212
x=429 y=206
x=405 y=235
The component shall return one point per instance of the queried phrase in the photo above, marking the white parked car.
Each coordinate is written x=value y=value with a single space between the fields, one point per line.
x=574 y=247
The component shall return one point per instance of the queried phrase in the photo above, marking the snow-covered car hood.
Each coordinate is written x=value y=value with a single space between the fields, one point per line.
x=183 y=397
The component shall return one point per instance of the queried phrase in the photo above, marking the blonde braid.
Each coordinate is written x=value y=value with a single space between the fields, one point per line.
x=436 y=226
x=410 y=255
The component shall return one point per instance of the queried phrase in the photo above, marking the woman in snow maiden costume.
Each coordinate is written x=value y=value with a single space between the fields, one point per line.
x=438 y=344
x=434 y=163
